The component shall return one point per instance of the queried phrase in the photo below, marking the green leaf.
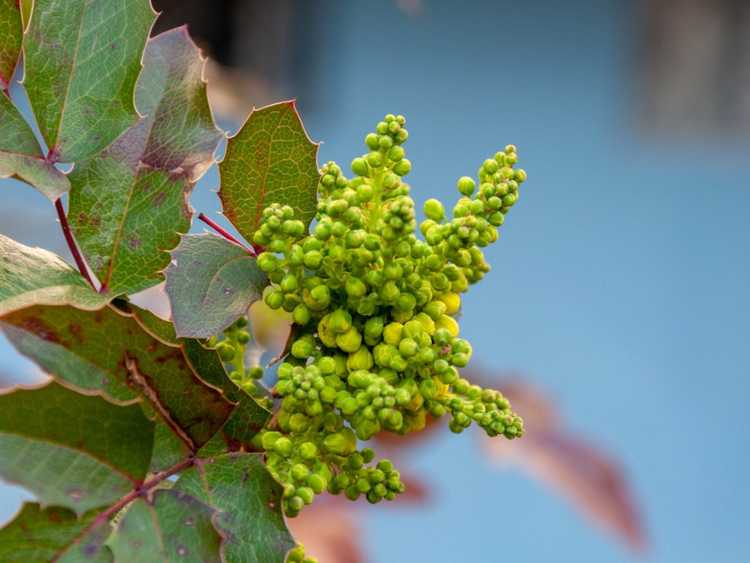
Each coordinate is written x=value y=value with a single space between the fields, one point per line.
x=21 y=157
x=107 y=350
x=174 y=527
x=270 y=160
x=31 y=276
x=40 y=535
x=72 y=450
x=248 y=502
x=82 y=60
x=211 y=282
x=246 y=420
x=11 y=31
x=128 y=206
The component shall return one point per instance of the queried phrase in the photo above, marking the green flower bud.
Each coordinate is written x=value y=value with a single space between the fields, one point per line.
x=402 y=167
x=350 y=341
x=360 y=167
x=301 y=314
x=343 y=442
x=466 y=185
x=434 y=210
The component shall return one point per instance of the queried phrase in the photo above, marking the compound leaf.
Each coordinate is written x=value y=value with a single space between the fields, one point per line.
x=128 y=205
x=173 y=527
x=21 y=157
x=82 y=60
x=270 y=160
x=248 y=505
x=11 y=30
x=211 y=282
x=39 y=535
x=30 y=276
x=73 y=450
x=107 y=350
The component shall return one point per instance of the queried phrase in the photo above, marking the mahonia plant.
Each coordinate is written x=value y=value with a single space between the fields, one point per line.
x=164 y=439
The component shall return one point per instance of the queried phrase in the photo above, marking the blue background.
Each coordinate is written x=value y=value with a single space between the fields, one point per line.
x=619 y=285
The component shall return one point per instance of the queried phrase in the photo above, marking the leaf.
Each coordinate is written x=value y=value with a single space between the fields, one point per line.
x=248 y=505
x=73 y=450
x=21 y=157
x=128 y=205
x=82 y=60
x=39 y=535
x=211 y=283
x=31 y=276
x=173 y=527
x=11 y=31
x=591 y=480
x=270 y=160
x=107 y=350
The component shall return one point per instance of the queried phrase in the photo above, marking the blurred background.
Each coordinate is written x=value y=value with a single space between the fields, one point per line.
x=617 y=310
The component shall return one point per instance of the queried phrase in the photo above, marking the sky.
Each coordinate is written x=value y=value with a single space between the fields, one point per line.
x=619 y=284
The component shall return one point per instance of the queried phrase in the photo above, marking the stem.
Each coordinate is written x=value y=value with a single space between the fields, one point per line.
x=223 y=232
x=71 y=242
x=134 y=494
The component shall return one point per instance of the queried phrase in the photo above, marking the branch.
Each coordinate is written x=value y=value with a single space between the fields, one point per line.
x=132 y=495
x=227 y=235
x=71 y=242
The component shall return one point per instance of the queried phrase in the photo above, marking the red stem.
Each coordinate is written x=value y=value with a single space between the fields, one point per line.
x=71 y=242
x=223 y=232
x=134 y=494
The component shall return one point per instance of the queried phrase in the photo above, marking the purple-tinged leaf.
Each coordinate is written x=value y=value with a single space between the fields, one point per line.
x=270 y=160
x=128 y=206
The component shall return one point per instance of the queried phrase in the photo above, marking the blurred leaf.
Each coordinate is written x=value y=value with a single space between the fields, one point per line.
x=211 y=282
x=271 y=328
x=330 y=532
x=11 y=31
x=270 y=160
x=69 y=449
x=172 y=527
x=248 y=502
x=107 y=350
x=82 y=60
x=39 y=535
x=21 y=157
x=27 y=6
x=569 y=465
x=128 y=205
x=30 y=276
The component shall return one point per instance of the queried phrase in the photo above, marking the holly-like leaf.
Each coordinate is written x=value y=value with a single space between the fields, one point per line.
x=31 y=276
x=211 y=282
x=81 y=61
x=54 y=533
x=173 y=527
x=248 y=505
x=21 y=157
x=107 y=350
x=11 y=31
x=270 y=160
x=128 y=205
x=73 y=450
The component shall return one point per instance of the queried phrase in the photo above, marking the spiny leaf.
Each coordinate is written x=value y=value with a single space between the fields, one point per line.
x=174 y=527
x=248 y=417
x=11 y=31
x=72 y=450
x=211 y=283
x=247 y=500
x=54 y=533
x=20 y=155
x=82 y=60
x=31 y=276
x=270 y=160
x=128 y=205
x=107 y=350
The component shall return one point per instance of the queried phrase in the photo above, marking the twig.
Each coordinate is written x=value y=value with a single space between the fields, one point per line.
x=139 y=491
x=223 y=232
x=71 y=242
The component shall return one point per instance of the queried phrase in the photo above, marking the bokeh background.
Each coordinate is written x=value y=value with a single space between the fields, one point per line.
x=621 y=284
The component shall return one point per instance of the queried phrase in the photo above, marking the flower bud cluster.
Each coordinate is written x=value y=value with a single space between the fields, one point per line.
x=376 y=343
